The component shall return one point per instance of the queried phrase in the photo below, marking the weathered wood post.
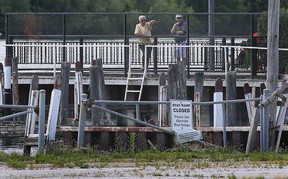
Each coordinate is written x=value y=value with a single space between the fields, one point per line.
x=15 y=88
x=182 y=80
x=273 y=59
x=162 y=110
x=172 y=81
x=230 y=95
x=65 y=71
x=176 y=82
x=198 y=95
x=97 y=91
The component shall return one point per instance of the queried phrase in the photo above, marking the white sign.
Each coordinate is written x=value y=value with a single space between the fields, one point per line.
x=181 y=115
x=182 y=121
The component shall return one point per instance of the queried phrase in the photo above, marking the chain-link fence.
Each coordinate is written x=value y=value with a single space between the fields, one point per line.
x=232 y=29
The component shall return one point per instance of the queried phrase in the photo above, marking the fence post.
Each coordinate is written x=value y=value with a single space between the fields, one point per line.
x=223 y=53
x=155 y=55
x=264 y=124
x=81 y=54
x=232 y=67
x=83 y=109
x=41 y=128
x=126 y=49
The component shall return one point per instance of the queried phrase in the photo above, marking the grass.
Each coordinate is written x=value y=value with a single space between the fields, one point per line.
x=65 y=156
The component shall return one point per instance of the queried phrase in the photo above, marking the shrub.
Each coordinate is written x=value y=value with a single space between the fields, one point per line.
x=283 y=37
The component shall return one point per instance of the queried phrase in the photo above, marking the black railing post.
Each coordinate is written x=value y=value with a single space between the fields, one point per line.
x=254 y=51
x=232 y=54
x=9 y=39
x=126 y=51
x=64 y=37
x=205 y=51
x=187 y=51
x=155 y=50
x=223 y=53
x=81 y=53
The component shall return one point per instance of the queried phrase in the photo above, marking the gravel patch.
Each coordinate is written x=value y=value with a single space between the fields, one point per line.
x=160 y=170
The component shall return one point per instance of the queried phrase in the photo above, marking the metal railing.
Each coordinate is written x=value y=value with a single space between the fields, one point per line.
x=47 y=55
x=263 y=114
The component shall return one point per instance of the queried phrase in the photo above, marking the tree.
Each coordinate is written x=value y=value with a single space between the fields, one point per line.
x=12 y=6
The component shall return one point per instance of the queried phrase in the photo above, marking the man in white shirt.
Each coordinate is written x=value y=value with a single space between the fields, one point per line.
x=143 y=31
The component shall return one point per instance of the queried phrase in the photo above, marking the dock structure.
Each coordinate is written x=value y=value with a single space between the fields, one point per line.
x=101 y=67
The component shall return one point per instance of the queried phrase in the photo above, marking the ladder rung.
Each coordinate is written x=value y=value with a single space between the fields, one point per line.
x=133 y=91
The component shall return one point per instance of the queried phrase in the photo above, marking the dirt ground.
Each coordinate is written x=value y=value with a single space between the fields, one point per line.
x=160 y=170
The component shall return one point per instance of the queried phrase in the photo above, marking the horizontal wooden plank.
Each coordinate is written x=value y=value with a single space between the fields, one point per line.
x=110 y=129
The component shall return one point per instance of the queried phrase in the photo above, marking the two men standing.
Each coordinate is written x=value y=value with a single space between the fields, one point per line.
x=143 y=31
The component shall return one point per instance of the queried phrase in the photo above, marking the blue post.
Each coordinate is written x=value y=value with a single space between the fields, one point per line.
x=264 y=133
x=224 y=124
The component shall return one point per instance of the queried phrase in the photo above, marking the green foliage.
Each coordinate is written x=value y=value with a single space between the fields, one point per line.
x=283 y=37
x=119 y=145
x=65 y=156
x=132 y=142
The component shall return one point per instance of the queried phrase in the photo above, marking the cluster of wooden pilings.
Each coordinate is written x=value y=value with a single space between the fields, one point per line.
x=102 y=130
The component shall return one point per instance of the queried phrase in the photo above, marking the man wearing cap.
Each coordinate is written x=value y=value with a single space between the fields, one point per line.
x=179 y=30
x=143 y=31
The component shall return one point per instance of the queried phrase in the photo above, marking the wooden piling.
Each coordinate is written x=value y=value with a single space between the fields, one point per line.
x=198 y=96
x=15 y=87
x=65 y=72
x=177 y=88
x=182 y=80
x=97 y=91
x=231 y=95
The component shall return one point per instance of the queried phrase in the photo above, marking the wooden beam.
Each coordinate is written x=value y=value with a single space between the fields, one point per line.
x=273 y=58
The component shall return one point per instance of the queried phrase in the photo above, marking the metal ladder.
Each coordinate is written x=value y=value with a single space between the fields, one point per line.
x=135 y=82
